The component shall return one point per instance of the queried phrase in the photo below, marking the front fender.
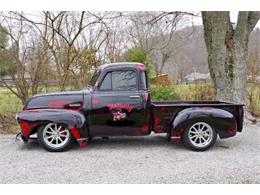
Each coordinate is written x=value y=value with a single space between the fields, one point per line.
x=30 y=120
x=222 y=121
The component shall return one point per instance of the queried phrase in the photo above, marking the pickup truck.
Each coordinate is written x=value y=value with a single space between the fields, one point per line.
x=117 y=102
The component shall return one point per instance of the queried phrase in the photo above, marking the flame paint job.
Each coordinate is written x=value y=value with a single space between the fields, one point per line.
x=95 y=101
x=140 y=67
x=75 y=133
x=91 y=112
x=232 y=131
x=55 y=100
x=127 y=107
x=176 y=135
x=25 y=128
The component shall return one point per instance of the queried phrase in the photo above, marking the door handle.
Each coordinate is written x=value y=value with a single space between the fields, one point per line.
x=134 y=97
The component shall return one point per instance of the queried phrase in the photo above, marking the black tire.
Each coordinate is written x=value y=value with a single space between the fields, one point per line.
x=66 y=146
x=190 y=142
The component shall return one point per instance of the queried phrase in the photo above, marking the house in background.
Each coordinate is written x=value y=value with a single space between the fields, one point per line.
x=7 y=81
x=197 y=77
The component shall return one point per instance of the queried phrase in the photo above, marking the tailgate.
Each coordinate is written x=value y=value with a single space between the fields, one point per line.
x=240 y=117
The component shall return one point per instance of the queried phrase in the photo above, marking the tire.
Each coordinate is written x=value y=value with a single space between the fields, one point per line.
x=54 y=137
x=199 y=136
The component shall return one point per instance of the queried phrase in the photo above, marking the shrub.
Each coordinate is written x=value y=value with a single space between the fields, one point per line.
x=139 y=55
x=194 y=92
x=253 y=99
x=160 y=93
x=201 y=92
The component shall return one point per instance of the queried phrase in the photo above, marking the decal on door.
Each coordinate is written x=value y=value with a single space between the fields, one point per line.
x=120 y=106
x=118 y=115
x=119 y=111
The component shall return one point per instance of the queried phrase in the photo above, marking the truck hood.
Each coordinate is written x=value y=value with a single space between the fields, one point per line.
x=68 y=100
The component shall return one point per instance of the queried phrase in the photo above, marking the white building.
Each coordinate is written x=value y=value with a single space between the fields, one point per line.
x=196 y=77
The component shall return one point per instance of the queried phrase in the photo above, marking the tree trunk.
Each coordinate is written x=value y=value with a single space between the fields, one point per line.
x=227 y=52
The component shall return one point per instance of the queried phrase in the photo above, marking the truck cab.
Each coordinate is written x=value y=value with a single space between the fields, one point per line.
x=120 y=101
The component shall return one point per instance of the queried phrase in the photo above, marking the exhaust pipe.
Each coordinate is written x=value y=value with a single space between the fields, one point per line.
x=20 y=139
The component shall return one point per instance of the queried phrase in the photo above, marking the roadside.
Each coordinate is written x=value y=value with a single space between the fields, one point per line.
x=134 y=160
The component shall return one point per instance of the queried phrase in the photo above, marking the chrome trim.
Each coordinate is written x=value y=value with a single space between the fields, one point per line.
x=134 y=97
x=19 y=139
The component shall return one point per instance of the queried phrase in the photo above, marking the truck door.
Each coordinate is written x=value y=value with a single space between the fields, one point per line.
x=118 y=108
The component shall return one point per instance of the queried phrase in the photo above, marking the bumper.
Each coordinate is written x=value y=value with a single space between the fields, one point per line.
x=20 y=139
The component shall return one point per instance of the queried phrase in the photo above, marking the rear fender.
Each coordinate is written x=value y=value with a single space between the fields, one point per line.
x=75 y=121
x=222 y=121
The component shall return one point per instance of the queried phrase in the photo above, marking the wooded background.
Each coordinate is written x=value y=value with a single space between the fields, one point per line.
x=50 y=51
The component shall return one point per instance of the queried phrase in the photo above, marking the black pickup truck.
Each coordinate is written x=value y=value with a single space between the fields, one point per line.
x=117 y=102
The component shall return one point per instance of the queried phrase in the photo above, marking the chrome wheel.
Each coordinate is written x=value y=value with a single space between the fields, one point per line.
x=200 y=134
x=55 y=136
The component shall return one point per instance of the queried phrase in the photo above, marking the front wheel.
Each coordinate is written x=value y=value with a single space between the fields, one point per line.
x=55 y=138
x=199 y=136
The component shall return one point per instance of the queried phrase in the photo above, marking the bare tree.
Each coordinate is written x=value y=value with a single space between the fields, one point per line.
x=74 y=38
x=27 y=55
x=157 y=34
x=117 y=41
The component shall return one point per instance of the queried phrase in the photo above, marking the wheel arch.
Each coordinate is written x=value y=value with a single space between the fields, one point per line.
x=75 y=121
x=223 y=122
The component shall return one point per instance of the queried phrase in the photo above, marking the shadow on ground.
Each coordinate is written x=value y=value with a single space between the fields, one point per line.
x=116 y=143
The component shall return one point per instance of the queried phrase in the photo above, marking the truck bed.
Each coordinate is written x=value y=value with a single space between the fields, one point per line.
x=165 y=111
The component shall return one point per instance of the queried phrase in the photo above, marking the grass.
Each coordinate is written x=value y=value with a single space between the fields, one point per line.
x=9 y=105
x=253 y=99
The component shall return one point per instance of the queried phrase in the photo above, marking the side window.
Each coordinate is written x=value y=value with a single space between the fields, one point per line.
x=119 y=80
x=106 y=83
x=124 y=80
x=143 y=80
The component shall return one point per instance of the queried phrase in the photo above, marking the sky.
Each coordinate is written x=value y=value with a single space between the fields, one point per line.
x=36 y=15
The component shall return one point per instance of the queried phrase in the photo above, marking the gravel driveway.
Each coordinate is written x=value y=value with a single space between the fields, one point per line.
x=134 y=160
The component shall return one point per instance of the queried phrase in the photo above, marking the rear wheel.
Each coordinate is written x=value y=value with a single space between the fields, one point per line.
x=55 y=138
x=199 y=136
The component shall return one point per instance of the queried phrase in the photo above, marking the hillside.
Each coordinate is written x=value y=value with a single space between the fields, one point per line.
x=191 y=54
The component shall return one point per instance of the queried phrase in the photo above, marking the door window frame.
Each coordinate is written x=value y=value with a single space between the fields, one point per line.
x=146 y=81
x=117 y=90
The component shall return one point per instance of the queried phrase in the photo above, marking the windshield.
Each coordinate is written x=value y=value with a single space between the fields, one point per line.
x=94 y=78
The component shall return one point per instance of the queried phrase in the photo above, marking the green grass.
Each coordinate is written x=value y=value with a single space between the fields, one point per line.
x=9 y=105
x=9 y=102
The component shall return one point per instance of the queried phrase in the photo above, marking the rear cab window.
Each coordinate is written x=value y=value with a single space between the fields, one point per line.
x=143 y=81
